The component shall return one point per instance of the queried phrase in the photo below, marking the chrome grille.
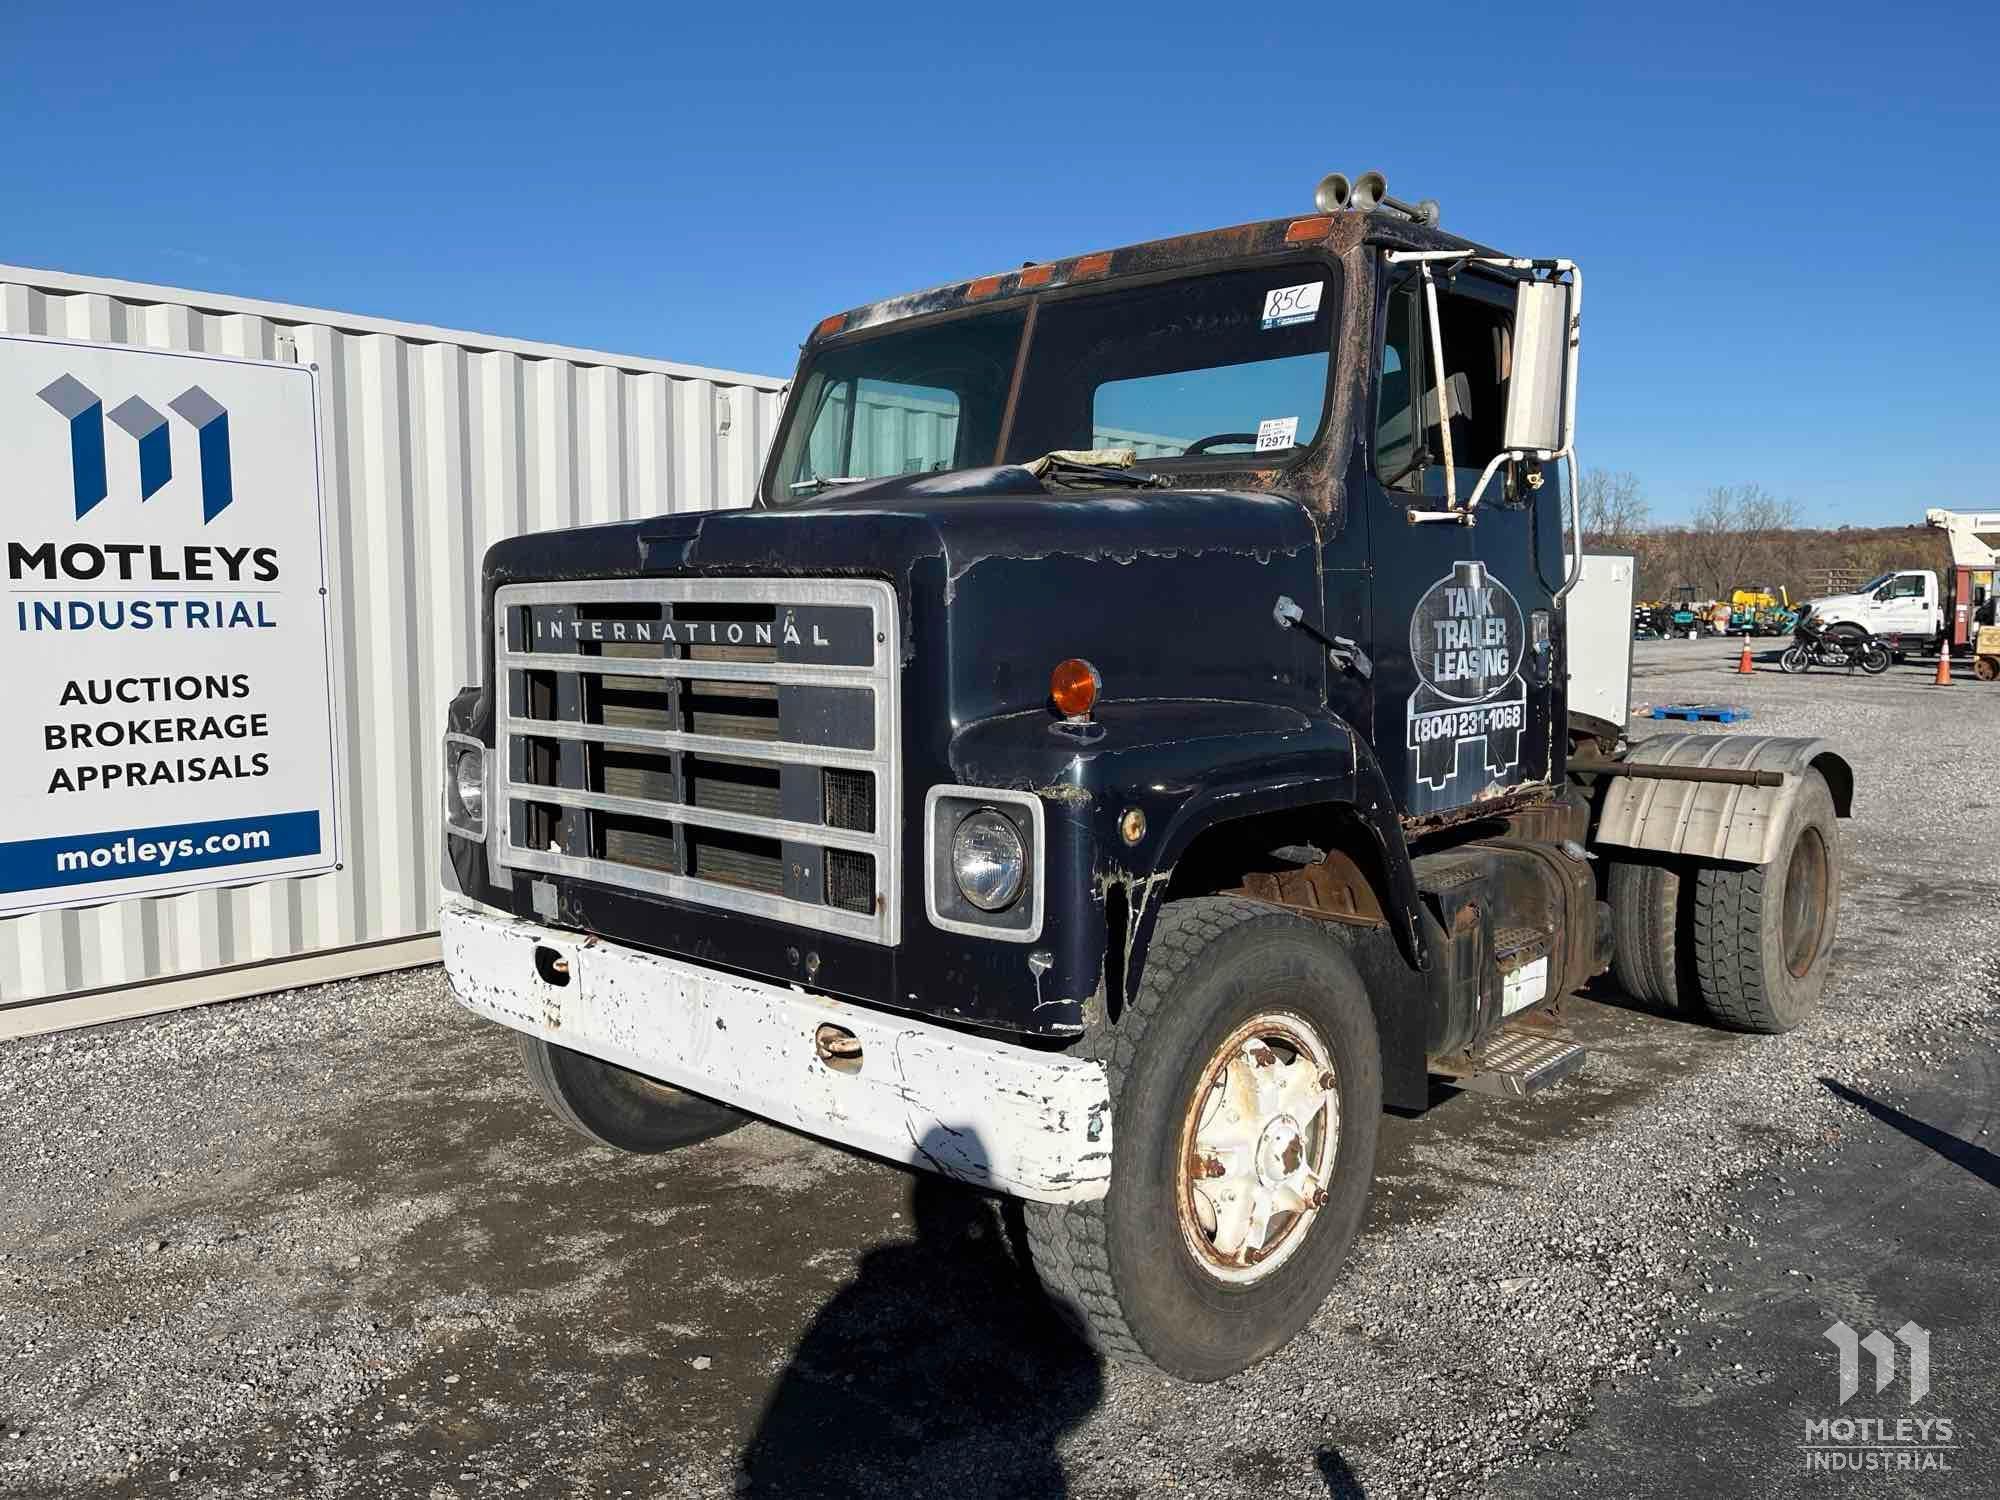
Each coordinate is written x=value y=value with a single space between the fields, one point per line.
x=724 y=741
x=850 y=799
x=850 y=879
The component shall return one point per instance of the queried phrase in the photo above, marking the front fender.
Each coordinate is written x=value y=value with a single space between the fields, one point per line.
x=1187 y=766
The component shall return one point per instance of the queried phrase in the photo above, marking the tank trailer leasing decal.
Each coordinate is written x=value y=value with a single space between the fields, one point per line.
x=1466 y=645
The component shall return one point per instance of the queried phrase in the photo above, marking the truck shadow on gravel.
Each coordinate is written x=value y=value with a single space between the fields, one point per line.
x=1977 y=1160
x=938 y=1369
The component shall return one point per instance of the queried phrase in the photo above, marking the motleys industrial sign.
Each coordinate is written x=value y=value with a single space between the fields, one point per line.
x=164 y=644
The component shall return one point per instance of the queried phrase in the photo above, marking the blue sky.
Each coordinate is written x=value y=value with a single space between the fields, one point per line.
x=1782 y=211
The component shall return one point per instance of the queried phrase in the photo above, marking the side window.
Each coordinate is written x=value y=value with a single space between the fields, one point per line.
x=1907 y=586
x=1410 y=416
x=1395 y=433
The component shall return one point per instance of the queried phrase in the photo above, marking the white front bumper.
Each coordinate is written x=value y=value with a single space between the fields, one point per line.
x=1028 y=1123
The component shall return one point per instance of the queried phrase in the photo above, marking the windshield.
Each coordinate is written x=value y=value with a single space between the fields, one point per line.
x=1874 y=583
x=1194 y=369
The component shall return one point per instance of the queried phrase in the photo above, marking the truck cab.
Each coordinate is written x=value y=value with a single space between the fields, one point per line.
x=1125 y=748
x=1902 y=609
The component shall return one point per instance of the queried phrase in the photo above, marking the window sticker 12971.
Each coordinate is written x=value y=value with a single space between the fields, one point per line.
x=1286 y=305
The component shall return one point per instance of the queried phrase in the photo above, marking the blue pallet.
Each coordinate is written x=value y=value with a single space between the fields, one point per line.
x=1722 y=713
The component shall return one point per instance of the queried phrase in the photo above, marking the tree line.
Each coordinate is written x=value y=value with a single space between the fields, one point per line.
x=1740 y=536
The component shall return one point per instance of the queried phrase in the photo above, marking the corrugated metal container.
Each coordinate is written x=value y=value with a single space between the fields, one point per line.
x=434 y=443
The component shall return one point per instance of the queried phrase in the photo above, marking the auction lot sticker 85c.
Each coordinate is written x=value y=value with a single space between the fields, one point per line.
x=164 y=643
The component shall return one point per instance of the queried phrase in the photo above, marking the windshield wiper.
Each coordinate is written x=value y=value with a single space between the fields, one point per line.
x=819 y=482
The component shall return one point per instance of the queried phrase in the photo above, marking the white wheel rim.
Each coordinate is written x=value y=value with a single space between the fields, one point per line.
x=1258 y=1143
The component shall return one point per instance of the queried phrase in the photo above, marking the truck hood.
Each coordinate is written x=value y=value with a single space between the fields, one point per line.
x=1169 y=593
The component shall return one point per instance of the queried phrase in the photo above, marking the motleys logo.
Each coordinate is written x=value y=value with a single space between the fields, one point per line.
x=82 y=409
x=1866 y=1444
x=1913 y=1337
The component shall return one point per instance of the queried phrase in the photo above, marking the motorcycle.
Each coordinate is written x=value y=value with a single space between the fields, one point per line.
x=1814 y=646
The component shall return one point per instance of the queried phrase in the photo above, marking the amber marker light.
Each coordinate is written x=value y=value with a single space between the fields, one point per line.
x=1074 y=686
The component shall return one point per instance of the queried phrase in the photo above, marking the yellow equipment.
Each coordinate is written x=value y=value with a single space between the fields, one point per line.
x=1986 y=653
x=1760 y=598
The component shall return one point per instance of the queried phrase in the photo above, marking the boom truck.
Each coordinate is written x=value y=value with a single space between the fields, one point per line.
x=1907 y=611
x=1124 y=748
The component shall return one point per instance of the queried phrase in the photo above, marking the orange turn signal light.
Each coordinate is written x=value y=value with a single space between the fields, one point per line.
x=1074 y=686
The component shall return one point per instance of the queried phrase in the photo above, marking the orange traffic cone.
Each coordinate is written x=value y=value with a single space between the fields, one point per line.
x=1743 y=667
x=1943 y=678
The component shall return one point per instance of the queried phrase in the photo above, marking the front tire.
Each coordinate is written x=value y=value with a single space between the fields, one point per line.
x=1763 y=934
x=1874 y=658
x=1795 y=660
x=616 y=1107
x=1246 y=1084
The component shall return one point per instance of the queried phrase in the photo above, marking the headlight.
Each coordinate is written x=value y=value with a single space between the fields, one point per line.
x=988 y=861
x=465 y=785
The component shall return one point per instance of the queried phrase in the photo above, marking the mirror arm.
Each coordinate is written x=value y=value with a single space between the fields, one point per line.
x=1443 y=389
x=1569 y=422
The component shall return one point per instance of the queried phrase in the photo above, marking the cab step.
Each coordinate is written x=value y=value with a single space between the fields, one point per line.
x=1514 y=1062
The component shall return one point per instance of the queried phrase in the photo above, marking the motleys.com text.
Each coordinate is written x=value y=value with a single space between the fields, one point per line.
x=112 y=855
x=131 y=851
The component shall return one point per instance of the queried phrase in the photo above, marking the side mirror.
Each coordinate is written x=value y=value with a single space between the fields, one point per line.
x=1537 y=390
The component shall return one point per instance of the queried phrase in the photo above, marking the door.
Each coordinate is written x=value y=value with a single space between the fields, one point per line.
x=1467 y=681
x=1905 y=605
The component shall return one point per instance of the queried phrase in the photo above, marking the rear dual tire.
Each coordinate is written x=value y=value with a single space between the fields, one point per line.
x=1748 y=947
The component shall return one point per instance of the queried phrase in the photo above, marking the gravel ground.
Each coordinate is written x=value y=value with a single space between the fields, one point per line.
x=326 y=1244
